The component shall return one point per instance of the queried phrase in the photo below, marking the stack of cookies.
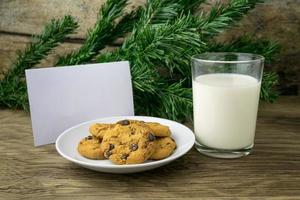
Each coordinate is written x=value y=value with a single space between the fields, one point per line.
x=127 y=142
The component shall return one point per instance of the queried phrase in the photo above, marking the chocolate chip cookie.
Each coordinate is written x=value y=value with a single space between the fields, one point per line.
x=157 y=129
x=98 y=129
x=128 y=143
x=164 y=148
x=89 y=147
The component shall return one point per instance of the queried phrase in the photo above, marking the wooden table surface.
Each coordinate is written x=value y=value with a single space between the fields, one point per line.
x=271 y=172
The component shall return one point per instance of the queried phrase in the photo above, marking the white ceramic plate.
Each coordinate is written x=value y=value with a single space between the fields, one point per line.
x=66 y=145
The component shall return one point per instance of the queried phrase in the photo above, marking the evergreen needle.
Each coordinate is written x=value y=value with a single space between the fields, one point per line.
x=223 y=16
x=54 y=33
x=99 y=36
x=12 y=86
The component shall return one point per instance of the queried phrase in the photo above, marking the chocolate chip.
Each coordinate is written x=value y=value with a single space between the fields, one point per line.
x=124 y=122
x=107 y=154
x=124 y=156
x=133 y=147
x=151 y=137
x=111 y=147
x=89 y=137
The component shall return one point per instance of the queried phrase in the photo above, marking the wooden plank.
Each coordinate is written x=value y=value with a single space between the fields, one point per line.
x=30 y=16
x=271 y=172
x=9 y=45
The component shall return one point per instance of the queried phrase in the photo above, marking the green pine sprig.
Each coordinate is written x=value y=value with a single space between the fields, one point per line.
x=223 y=16
x=13 y=92
x=175 y=102
x=54 y=33
x=165 y=45
x=126 y=24
x=162 y=11
x=99 y=36
x=267 y=92
x=146 y=54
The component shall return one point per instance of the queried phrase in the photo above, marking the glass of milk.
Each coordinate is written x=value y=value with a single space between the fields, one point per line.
x=226 y=88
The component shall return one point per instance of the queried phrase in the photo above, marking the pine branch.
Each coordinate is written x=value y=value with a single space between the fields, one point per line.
x=223 y=16
x=166 y=45
x=172 y=101
x=176 y=102
x=160 y=44
x=170 y=45
x=41 y=45
x=190 y=6
x=156 y=12
x=12 y=86
x=269 y=81
x=13 y=94
x=126 y=24
x=99 y=36
x=162 y=11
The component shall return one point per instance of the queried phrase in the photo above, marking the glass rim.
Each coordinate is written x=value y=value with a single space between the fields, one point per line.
x=201 y=58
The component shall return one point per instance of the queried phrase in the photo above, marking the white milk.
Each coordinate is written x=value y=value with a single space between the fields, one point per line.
x=225 y=110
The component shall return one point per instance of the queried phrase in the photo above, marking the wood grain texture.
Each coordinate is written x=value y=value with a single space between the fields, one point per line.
x=271 y=172
x=30 y=16
x=11 y=44
x=20 y=19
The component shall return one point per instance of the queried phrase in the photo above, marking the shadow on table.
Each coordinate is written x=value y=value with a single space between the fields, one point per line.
x=172 y=168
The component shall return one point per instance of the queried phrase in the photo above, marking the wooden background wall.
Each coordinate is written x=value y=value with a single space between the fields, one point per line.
x=275 y=19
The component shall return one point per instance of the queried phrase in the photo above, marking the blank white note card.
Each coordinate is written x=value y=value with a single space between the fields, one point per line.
x=61 y=97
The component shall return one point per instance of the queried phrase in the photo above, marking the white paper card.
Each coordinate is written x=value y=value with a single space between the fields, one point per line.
x=61 y=97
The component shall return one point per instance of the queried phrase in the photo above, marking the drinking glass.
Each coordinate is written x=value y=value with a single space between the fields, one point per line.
x=226 y=88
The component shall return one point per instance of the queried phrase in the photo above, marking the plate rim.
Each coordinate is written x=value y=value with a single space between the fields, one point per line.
x=147 y=164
